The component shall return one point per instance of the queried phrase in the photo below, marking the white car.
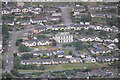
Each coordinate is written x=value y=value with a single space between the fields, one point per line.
x=6 y=61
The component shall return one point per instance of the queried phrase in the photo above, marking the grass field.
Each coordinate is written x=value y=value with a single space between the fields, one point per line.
x=66 y=51
x=84 y=51
x=100 y=20
x=68 y=66
x=44 y=47
x=5 y=53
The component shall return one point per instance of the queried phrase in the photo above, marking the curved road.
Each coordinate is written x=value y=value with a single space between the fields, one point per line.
x=9 y=56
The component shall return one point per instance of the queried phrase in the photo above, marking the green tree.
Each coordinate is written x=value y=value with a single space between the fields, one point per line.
x=56 y=56
x=90 y=31
x=5 y=34
x=103 y=33
x=42 y=67
x=19 y=41
x=79 y=45
x=70 y=52
x=54 y=43
x=14 y=72
x=7 y=75
x=26 y=56
x=17 y=62
x=14 y=54
x=23 y=49
x=85 y=18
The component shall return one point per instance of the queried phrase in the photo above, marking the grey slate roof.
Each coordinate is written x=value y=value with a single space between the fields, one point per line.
x=46 y=75
x=81 y=75
x=28 y=76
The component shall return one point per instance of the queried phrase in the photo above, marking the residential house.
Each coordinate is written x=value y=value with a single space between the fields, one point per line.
x=111 y=15
x=112 y=39
x=36 y=10
x=25 y=10
x=89 y=59
x=20 y=4
x=79 y=15
x=25 y=35
x=116 y=57
x=57 y=14
x=82 y=75
x=97 y=51
x=79 y=9
x=43 y=42
x=110 y=6
x=80 y=26
x=17 y=10
x=49 y=10
x=97 y=73
x=106 y=28
x=8 y=22
x=63 y=37
x=85 y=38
x=59 y=52
x=24 y=22
x=22 y=53
x=29 y=43
x=98 y=14
x=60 y=56
x=44 y=61
x=60 y=61
x=38 y=20
x=76 y=60
x=76 y=27
x=41 y=53
x=111 y=45
x=60 y=27
x=93 y=7
x=68 y=56
x=1 y=50
x=107 y=58
x=97 y=27
x=6 y=12
x=46 y=75
x=29 y=76
x=39 y=29
x=53 y=18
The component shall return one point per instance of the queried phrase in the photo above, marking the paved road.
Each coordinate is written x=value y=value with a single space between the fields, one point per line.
x=9 y=56
x=66 y=15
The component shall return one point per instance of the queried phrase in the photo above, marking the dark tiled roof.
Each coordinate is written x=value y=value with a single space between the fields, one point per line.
x=81 y=75
x=28 y=76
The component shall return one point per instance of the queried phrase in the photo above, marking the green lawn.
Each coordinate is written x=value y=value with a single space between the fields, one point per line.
x=68 y=66
x=5 y=53
x=51 y=3
x=100 y=20
x=66 y=51
x=84 y=51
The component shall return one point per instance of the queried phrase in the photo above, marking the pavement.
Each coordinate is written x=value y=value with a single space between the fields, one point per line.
x=66 y=15
x=9 y=56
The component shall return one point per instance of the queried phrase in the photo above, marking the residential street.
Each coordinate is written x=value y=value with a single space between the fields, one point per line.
x=66 y=16
x=9 y=56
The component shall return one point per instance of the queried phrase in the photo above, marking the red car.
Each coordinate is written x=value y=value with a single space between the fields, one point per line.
x=8 y=50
